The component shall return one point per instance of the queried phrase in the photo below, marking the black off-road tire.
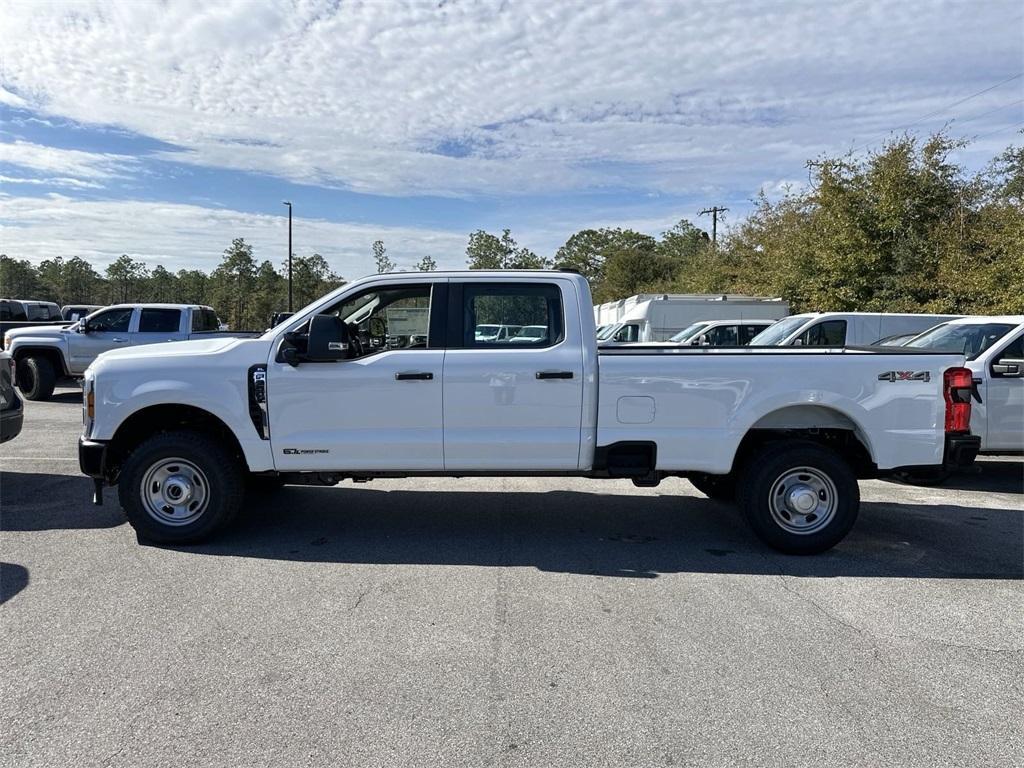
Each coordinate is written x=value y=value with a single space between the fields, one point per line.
x=718 y=487
x=36 y=377
x=204 y=463
x=806 y=468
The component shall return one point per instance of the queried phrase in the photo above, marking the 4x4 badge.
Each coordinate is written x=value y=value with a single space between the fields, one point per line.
x=905 y=376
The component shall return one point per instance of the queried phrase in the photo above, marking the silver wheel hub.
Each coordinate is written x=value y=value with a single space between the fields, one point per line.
x=803 y=500
x=174 y=491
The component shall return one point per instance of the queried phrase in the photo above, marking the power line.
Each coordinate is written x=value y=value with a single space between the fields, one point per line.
x=977 y=115
x=940 y=111
x=1011 y=127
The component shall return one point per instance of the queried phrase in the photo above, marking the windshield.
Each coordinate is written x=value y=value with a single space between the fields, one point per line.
x=608 y=331
x=969 y=339
x=487 y=330
x=774 y=334
x=689 y=331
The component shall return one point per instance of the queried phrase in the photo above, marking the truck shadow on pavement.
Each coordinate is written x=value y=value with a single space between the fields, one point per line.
x=991 y=477
x=610 y=535
x=13 y=579
x=32 y=501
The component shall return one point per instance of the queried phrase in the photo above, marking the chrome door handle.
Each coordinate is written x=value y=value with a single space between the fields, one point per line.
x=414 y=376
x=554 y=374
x=118 y=341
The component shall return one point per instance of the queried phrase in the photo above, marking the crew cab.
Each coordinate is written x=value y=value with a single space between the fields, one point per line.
x=19 y=313
x=340 y=391
x=42 y=353
x=994 y=348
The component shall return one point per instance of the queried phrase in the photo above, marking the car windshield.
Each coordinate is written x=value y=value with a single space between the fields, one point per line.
x=971 y=339
x=774 y=334
x=608 y=331
x=487 y=330
x=689 y=331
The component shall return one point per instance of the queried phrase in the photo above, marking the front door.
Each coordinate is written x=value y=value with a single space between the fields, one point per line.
x=513 y=403
x=106 y=330
x=1004 y=406
x=378 y=410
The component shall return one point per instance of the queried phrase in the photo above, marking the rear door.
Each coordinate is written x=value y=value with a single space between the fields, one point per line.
x=157 y=325
x=513 y=405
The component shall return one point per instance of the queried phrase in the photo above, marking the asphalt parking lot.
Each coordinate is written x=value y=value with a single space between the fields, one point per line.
x=505 y=622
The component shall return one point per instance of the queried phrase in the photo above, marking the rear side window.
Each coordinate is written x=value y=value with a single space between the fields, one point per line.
x=112 y=321
x=1014 y=350
x=527 y=315
x=205 y=320
x=830 y=333
x=160 y=321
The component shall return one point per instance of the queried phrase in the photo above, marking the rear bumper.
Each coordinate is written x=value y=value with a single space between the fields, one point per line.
x=11 y=420
x=961 y=451
x=92 y=458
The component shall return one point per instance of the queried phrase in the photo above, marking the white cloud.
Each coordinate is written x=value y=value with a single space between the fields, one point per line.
x=190 y=236
x=70 y=164
x=475 y=98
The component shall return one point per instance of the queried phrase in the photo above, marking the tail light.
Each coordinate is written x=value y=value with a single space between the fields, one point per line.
x=957 y=386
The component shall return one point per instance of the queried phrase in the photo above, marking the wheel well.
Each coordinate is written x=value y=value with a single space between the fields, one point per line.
x=166 y=418
x=844 y=442
x=55 y=357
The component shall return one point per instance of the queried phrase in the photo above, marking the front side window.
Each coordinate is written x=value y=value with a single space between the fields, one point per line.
x=525 y=315
x=383 y=319
x=830 y=333
x=111 y=321
x=748 y=332
x=628 y=332
x=688 y=333
x=722 y=336
x=160 y=321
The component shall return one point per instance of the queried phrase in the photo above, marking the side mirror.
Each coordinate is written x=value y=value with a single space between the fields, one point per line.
x=83 y=326
x=702 y=340
x=1008 y=368
x=328 y=339
x=798 y=342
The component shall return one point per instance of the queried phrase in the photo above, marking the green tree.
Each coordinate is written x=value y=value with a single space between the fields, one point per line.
x=380 y=256
x=124 y=278
x=312 y=277
x=70 y=281
x=20 y=280
x=192 y=287
x=162 y=285
x=487 y=251
x=231 y=286
x=426 y=264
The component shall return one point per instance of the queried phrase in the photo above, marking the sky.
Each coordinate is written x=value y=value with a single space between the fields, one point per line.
x=164 y=130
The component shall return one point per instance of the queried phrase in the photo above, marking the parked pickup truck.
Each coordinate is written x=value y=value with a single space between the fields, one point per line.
x=20 y=313
x=994 y=348
x=42 y=353
x=182 y=428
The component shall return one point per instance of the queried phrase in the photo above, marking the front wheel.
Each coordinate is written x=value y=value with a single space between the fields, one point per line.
x=36 y=377
x=180 y=487
x=801 y=499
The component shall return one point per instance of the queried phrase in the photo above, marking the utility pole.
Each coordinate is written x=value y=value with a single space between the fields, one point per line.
x=288 y=203
x=714 y=211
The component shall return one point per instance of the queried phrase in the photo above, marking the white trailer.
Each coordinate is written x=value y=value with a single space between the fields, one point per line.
x=650 y=317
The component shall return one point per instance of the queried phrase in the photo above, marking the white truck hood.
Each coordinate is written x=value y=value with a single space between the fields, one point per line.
x=170 y=349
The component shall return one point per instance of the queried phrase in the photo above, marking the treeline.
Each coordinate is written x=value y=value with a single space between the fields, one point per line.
x=904 y=228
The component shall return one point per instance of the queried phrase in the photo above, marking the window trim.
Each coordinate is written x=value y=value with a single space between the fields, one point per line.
x=458 y=333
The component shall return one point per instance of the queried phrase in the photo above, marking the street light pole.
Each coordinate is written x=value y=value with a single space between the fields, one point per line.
x=288 y=203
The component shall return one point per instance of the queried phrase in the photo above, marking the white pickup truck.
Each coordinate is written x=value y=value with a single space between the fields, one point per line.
x=361 y=385
x=44 y=352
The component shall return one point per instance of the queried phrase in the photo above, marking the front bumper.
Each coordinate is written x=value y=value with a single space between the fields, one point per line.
x=961 y=451
x=92 y=458
x=11 y=420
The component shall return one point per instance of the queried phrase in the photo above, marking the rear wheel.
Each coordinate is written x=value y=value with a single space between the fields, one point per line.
x=720 y=487
x=180 y=487
x=36 y=377
x=801 y=499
